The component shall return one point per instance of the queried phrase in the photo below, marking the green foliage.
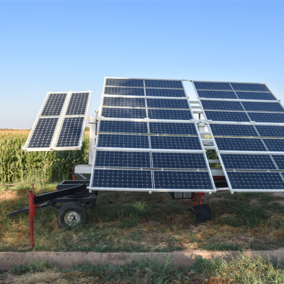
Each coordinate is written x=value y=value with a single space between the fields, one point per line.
x=87 y=128
x=34 y=267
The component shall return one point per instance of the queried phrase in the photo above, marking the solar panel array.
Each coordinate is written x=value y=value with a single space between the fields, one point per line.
x=147 y=139
x=246 y=122
x=60 y=122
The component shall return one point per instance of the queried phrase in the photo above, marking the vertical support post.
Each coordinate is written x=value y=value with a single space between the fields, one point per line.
x=32 y=213
x=92 y=140
x=194 y=198
x=200 y=194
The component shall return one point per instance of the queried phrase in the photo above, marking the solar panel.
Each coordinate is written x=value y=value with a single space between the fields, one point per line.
x=233 y=130
x=212 y=86
x=217 y=94
x=179 y=161
x=78 y=104
x=124 y=91
x=182 y=180
x=123 y=126
x=123 y=141
x=255 y=96
x=267 y=117
x=163 y=84
x=240 y=144
x=226 y=116
x=222 y=105
x=121 y=179
x=256 y=180
x=122 y=159
x=249 y=87
x=175 y=142
x=248 y=162
x=172 y=128
x=165 y=93
x=168 y=103
x=129 y=102
x=124 y=82
x=255 y=106
x=124 y=112
x=279 y=159
x=169 y=114
x=274 y=145
x=270 y=131
x=54 y=104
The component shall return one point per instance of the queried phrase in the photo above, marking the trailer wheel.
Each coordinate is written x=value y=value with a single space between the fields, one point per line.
x=71 y=214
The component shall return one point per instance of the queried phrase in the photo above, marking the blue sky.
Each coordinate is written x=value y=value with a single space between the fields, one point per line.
x=61 y=46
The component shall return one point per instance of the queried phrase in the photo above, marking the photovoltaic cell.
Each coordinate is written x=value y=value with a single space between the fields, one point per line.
x=263 y=106
x=248 y=162
x=43 y=133
x=267 y=117
x=240 y=144
x=217 y=94
x=163 y=84
x=123 y=126
x=122 y=179
x=129 y=102
x=168 y=103
x=274 y=145
x=164 y=93
x=124 y=112
x=54 y=104
x=255 y=96
x=226 y=116
x=279 y=159
x=124 y=91
x=222 y=105
x=179 y=161
x=249 y=87
x=78 y=104
x=122 y=159
x=212 y=86
x=172 y=128
x=182 y=180
x=174 y=142
x=255 y=180
x=169 y=114
x=123 y=141
x=124 y=82
x=71 y=132
x=233 y=130
x=270 y=131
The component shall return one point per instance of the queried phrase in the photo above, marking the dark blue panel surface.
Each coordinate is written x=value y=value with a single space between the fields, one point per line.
x=172 y=128
x=274 y=145
x=179 y=161
x=240 y=144
x=71 y=132
x=123 y=141
x=253 y=180
x=124 y=112
x=262 y=106
x=182 y=180
x=221 y=105
x=226 y=116
x=212 y=86
x=164 y=93
x=78 y=104
x=270 y=131
x=123 y=126
x=217 y=94
x=130 y=102
x=124 y=91
x=172 y=142
x=168 y=103
x=43 y=133
x=266 y=117
x=249 y=87
x=122 y=159
x=232 y=130
x=124 y=82
x=163 y=84
x=255 y=96
x=169 y=114
x=246 y=162
x=54 y=104
x=122 y=179
x=279 y=159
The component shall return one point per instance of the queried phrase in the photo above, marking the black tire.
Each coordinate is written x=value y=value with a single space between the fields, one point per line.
x=71 y=214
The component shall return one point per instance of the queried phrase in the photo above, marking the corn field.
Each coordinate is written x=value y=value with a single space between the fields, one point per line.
x=17 y=165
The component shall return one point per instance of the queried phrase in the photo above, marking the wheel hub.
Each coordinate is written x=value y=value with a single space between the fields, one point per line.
x=72 y=218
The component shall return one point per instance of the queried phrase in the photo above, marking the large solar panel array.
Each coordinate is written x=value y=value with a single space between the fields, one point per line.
x=246 y=123
x=60 y=123
x=148 y=140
